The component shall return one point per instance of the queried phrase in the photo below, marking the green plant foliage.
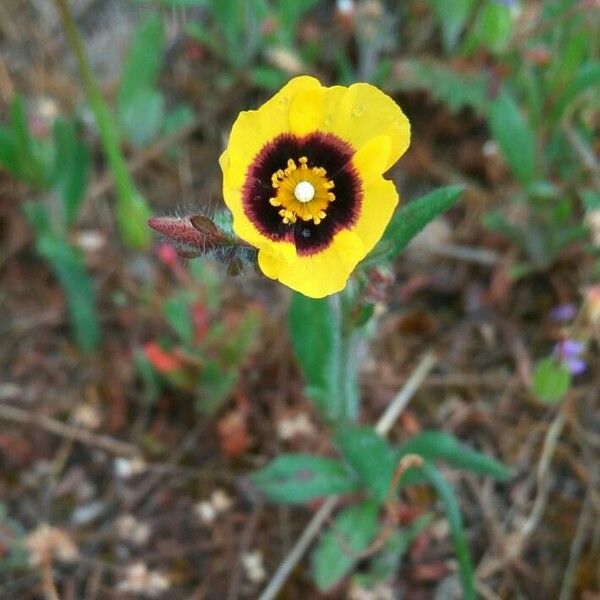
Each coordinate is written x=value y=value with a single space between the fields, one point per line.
x=236 y=34
x=24 y=157
x=587 y=77
x=452 y=16
x=206 y=352
x=493 y=28
x=514 y=137
x=316 y=348
x=456 y=89
x=300 y=478
x=437 y=445
x=140 y=106
x=69 y=267
x=340 y=546
x=70 y=170
x=370 y=456
x=384 y=564
x=410 y=219
x=551 y=380
x=459 y=539
x=59 y=167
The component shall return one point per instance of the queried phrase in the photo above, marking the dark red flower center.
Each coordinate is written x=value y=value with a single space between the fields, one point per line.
x=303 y=190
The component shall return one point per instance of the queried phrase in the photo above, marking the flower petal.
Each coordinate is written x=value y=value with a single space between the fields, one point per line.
x=306 y=110
x=320 y=274
x=242 y=225
x=380 y=198
x=253 y=129
x=361 y=112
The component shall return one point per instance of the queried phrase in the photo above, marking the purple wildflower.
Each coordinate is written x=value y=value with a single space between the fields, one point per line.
x=568 y=352
x=563 y=312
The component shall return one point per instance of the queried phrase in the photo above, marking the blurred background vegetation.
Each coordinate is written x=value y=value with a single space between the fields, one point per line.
x=134 y=385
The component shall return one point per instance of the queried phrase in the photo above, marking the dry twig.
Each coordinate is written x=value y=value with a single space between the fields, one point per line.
x=84 y=436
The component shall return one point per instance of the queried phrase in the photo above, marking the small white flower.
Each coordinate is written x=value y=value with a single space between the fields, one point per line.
x=221 y=501
x=381 y=591
x=128 y=467
x=47 y=543
x=253 y=566
x=206 y=512
x=294 y=426
x=88 y=416
x=131 y=530
x=139 y=580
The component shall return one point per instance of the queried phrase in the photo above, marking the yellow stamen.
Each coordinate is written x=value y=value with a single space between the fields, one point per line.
x=302 y=192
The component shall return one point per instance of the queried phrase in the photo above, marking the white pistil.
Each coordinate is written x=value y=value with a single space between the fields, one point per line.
x=304 y=191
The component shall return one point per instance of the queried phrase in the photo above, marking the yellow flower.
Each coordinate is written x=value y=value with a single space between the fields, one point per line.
x=303 y=178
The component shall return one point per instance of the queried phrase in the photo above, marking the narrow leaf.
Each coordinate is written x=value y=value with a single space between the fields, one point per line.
x=459 y=539
x=71 y=167
x=436 y=445
x=514 y=137
x=587 y=77
x=410 y=219
x=69 y=268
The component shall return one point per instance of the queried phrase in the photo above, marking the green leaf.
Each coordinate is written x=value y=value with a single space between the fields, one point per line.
x=370 y=456
x=29 y=164
x=459 y=539
x=140 y=105
x=457 y=89
x=288 y=18
x=142 y=116
x=315 y=333
x=410 y=219
x=71 y=166
x=587 y=77
x=268 y=78
x=8 y=152
x=133 y=213
x=514 y=137
x=215 y=384
x=69 y=267
x=300 y=478
x=590 y=199
x=176 y=311
x=493 y=27
x=435 y=445
x=340 y=547
x=452 y=16
x=551 y=380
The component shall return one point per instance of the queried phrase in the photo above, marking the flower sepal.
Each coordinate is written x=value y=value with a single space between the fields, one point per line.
x=198 y=235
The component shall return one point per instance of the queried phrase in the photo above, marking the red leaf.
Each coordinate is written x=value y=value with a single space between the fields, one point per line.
x=162 y=361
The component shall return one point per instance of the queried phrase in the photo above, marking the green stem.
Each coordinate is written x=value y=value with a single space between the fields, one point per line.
x=345 y=364
x=132 y=209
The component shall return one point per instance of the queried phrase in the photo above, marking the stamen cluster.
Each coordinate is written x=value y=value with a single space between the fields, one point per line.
x=293 y=185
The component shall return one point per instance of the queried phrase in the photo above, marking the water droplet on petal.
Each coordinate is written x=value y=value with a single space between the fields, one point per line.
x=306 y=232
x=359 y=110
